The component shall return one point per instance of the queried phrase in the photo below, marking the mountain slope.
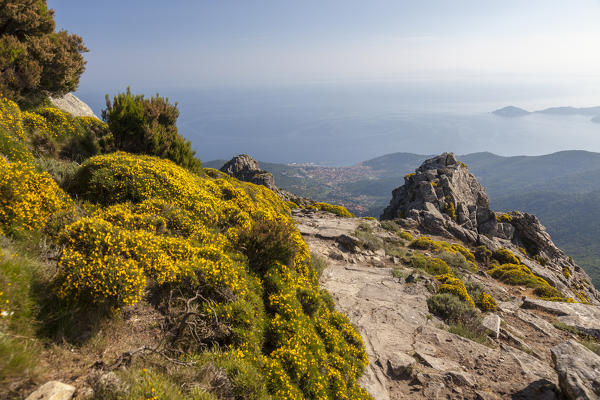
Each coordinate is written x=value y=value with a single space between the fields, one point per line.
x=560 y=188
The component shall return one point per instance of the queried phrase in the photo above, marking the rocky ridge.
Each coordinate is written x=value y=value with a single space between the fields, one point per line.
x=534 y=347
x=442 y=197
x=246 y=168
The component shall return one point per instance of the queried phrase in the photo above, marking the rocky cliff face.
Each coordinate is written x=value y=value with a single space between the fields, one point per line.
x=246 y=168
x=442 y=197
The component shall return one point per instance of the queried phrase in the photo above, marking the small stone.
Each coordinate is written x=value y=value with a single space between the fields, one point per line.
x=53 y=390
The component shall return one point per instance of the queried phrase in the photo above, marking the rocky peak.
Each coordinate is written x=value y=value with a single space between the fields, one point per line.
x=444 y=187
x=247 y=169
x=442 y=197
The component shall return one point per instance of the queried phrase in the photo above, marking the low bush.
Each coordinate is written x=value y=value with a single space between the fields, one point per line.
x=431 y=265
x=516 y=274
x=451 y=308
x=504 y=218
x=485 y=302
x=340 y=211
x=27 y=197
x=453 y=285
x=267 y=243
x=504 y=256
x=318 y=263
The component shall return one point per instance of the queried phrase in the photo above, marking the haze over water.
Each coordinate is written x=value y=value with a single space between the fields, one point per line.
x=342 y=124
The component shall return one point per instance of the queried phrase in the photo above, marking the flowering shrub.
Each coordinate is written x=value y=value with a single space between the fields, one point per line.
x=58 y=123
x=12 y=135
x=505 y=256
x=504 y=218
x=340 y=211
x=155 y=222
x=453 y=285
x=426 y=243
x=486 y=302
x=27 y=197
x=519 y=274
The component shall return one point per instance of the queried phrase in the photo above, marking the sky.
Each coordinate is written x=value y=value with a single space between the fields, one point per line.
x=221 y=43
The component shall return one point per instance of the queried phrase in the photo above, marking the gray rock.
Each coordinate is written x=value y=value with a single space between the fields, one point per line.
x=71 y=104
x=578 y=370
x=246 y=168
x=53 y=390
x=399 y=365
x=492 y=323
x=443 y=198
x=584 y=317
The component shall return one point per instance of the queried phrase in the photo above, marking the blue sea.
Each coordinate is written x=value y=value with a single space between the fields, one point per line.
x=343 y=124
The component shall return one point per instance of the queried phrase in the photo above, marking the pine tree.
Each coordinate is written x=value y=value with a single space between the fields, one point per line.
x=35 y=60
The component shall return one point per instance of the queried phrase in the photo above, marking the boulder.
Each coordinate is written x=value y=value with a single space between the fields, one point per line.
x=53 y=390
x=578 y=370
x=491 y=322
x=71 y=104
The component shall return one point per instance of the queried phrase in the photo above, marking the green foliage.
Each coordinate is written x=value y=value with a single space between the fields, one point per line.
x=450 y=308
x=267 y=243
x=148 y=126
x=340 y=211
x=504 y=256
x=18 y=356
x=318 y=263
x=453 y=285
x=229 y=246
x=431 y=265
x=35 y=60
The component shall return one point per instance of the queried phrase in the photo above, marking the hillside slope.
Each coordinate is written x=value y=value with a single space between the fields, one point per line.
x=551 y=186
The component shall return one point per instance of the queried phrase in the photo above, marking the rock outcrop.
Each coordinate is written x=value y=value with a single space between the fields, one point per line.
x=578 y=371
x=443 y=198
x=73 y=105
x=412 y=354
x=246 y=168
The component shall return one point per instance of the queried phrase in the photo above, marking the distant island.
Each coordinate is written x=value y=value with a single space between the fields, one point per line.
x=515 y=112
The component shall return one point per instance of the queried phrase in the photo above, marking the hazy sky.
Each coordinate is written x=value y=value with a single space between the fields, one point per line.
x=198 y=43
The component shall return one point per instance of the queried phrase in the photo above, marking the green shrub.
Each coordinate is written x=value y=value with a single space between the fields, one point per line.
x=406 y=235
x=450 y=308
x=541 y=259
x=516 y=274
x=504 y=256
x=456 y=260
x=431 y=265
x=318 y=263
x=36 y=60
x=148 y=126
x=266 y=243
x=453 y=285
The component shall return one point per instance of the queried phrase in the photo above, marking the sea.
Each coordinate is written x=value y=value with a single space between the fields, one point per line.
x=340 y=124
